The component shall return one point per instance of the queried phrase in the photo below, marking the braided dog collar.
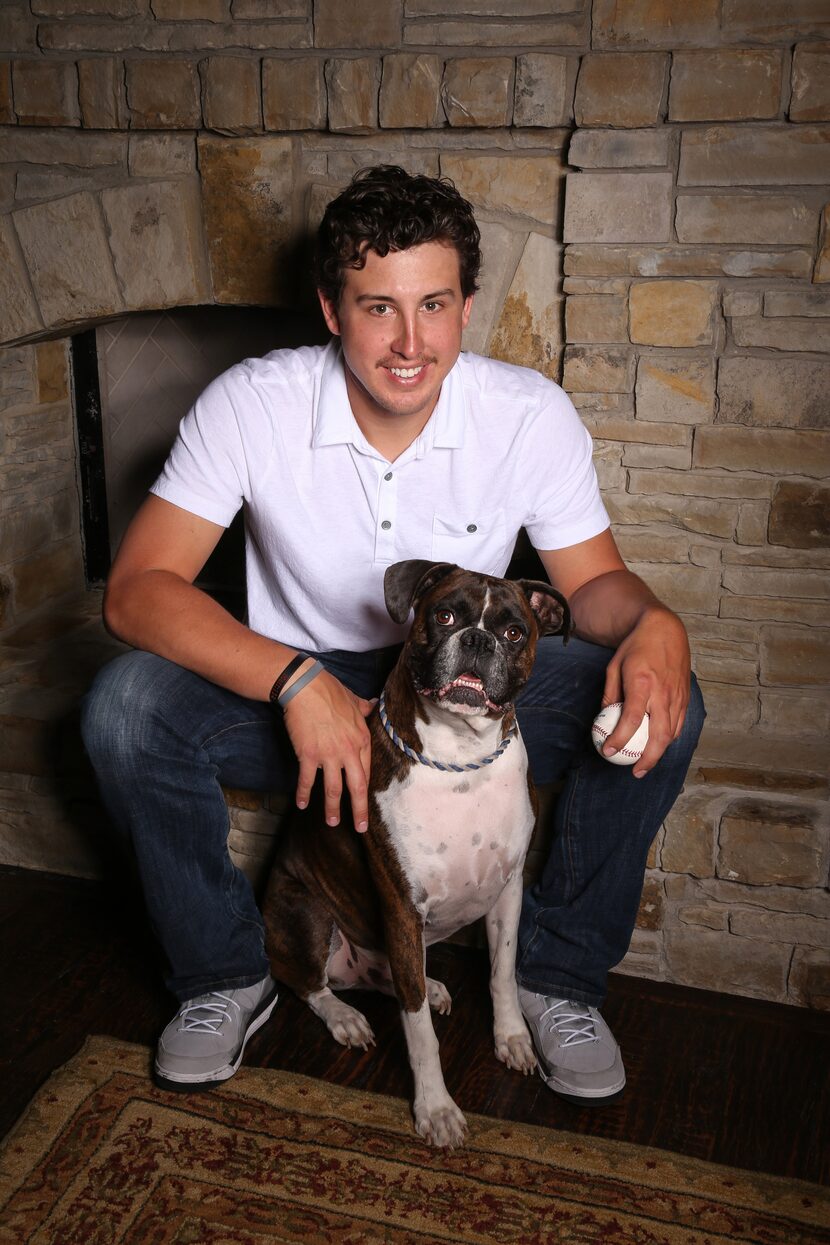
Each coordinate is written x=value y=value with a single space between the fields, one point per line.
x=424 y=760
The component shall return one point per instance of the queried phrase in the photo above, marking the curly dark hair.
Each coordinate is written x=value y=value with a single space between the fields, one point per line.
x=385 y=209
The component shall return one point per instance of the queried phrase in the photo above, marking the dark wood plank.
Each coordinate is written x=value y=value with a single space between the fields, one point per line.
x=725 y=1079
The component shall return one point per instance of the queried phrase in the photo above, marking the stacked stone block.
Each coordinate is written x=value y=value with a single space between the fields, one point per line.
x=653 y=186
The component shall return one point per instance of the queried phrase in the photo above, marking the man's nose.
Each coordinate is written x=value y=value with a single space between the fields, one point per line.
x=407 y=340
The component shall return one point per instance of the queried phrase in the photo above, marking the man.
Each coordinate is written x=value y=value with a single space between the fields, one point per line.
x=387 y=444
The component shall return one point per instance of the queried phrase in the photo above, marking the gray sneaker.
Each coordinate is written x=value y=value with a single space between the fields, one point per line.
x=578 y=1056
x=204 y=1042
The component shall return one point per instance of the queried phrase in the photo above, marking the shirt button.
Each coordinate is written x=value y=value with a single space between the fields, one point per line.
x=386 y=525
x=472 y=527
x=388 y=475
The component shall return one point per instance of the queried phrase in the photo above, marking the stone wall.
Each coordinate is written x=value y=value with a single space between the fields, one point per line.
x=652 y=179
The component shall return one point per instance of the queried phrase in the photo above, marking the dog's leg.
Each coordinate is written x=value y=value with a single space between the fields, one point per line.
x=437 y=1118
x=298 y=938
x=513 y=1044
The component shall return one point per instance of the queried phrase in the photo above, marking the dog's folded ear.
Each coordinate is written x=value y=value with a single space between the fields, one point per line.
x=405 y=582
x=550 y=607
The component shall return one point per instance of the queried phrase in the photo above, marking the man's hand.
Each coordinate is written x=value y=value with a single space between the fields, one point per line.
x=327 y=727
x=650 y=673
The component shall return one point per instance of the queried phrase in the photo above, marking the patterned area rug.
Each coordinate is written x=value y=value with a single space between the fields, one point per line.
x=102 y=1158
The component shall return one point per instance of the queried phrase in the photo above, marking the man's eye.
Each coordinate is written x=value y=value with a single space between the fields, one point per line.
x=444 y=618
x=514 y=634
x=381 y=309
x=432 y=306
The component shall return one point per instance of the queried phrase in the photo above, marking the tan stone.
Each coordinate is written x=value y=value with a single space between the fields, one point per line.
x=191 y=10
x=567 y=31
x=770 y=20
x=652 y=904
x=47 y=574
x=157 y=243
x=688 y=261
x=293 y=94
x=749 y=219
x=35 y=833
x=805 y=931
x=726 y=85
x=689 y=843
x=623 y=89
x=771 y=609
x=163 y=94
x=501 y=251
x=247 y=185
x=68 y=259
x=778 y=451
x=791 y=334
x=357 y=23
x=52 y=374
x=695 y=591
x=101 y=92
x=518 y=185
x=7 y=116
x=88 y=8
x=711 y=960
x=765 y=842
x=488 y=8
x=727 y=706
x=752 y=523
x=618 y=207
x=588 y=368
x=809 y=981
x=646 y=546
x=678 y=457
x=673 y=313
x=18 y=387
x=595 y=285
x=353 y=87
x=774 y=582
x=710 y=918
x=618 y=149
x=811 y=83
x=19 y=315
x=45 y=92
x=529 y=329
x=29 y=529
x=774 y=899
x=271 y=8
x=800 y=515
x=822 y=271
x=655 y=23
x=231 y=94
x=410 y=91
x=544 y=90
x=768 y=393
x=87 y=151
x=797 y=303
x=786 y=559
x=594 y=318
x=162 y=155
x=742 y=303
x=794 y=656
x=793 y=713
x=754 y=155
x=613 y=427
x=477 y=91
x=702 y=515
x=675 y=389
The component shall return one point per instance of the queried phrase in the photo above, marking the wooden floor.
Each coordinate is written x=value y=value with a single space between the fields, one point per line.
x=730 y=1080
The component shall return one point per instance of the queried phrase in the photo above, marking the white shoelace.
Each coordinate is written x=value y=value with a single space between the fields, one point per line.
x=215 y=1014
x=573 y=1026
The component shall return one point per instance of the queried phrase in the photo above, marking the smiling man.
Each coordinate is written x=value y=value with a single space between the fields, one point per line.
x=389 y=443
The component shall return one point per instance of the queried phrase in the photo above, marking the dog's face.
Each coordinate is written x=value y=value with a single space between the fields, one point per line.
x=473 y=639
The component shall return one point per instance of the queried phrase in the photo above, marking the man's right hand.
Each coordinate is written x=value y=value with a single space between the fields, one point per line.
x=326 y=724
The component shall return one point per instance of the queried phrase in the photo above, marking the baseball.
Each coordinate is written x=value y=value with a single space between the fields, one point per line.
x=604 y=723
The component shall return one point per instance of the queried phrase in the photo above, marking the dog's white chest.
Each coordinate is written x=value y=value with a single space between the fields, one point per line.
x=460 y=837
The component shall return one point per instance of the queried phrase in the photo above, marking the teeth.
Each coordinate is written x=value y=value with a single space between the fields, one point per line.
x=406 y=373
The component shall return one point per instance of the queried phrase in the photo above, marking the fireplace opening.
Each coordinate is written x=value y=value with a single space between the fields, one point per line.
x=135 y=378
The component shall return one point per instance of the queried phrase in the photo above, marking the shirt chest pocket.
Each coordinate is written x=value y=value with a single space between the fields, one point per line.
x=478 y=545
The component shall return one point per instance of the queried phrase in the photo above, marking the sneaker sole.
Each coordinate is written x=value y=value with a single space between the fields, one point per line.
x=184 y=1083
x=581 y=1098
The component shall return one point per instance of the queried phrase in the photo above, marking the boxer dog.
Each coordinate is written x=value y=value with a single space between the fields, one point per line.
x=451 y=811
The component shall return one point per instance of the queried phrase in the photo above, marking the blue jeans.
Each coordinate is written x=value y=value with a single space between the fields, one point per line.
x=162 y=740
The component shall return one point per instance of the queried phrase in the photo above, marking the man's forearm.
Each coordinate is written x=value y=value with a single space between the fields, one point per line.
x=607 y=609
x=162 y=613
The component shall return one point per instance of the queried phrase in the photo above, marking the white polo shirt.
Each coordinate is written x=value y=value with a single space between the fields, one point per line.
x=325 y=513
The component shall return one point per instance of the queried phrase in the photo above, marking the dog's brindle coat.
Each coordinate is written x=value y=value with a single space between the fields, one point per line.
x=442 y=848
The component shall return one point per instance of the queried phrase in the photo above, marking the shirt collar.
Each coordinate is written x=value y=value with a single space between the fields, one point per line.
x=334 y=423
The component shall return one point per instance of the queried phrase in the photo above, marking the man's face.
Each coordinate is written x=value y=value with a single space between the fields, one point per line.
x=400 y=320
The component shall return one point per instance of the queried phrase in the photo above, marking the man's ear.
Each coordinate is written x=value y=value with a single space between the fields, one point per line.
x=405 y=582
x=330 y=315
x=467 y=310
x=549 y=606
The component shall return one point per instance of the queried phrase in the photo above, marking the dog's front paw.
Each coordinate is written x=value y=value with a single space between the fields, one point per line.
x=441 y=1125
x=516 y=1050
x=346 y=1024
x=438 y=997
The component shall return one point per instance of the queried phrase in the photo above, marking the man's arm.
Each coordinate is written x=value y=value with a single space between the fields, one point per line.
x=152 y=603
x=650 y=670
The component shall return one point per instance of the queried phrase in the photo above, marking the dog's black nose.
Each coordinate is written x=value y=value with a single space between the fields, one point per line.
x=479 y=641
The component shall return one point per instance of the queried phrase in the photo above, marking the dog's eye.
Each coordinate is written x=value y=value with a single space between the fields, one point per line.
x=444 y=618
x=514 y=634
